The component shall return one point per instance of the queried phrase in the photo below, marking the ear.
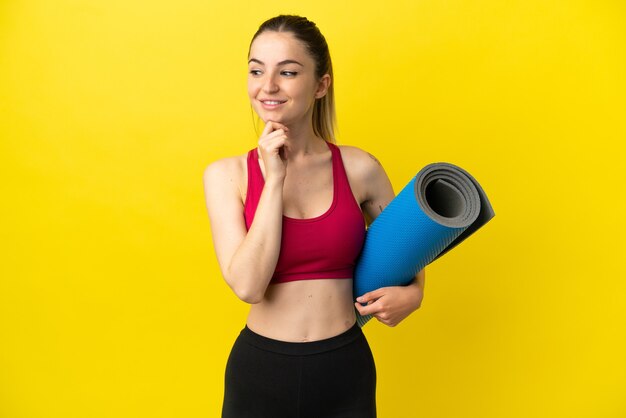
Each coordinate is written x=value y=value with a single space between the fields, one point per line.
x=322 y=86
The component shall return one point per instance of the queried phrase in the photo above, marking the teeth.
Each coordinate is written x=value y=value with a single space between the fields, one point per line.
x=272 y=102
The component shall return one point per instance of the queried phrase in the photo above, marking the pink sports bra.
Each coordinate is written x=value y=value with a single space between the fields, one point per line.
x=324 y=247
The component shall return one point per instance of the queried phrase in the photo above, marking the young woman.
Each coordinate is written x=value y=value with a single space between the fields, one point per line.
x=288 y=221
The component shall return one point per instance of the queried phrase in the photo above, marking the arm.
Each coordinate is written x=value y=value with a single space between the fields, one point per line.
x=390 y=305
x=247 y=259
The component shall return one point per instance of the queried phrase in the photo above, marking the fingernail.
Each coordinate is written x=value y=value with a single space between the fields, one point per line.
x=359 y=299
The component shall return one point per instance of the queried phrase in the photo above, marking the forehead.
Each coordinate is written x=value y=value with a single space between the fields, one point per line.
x=271 y=47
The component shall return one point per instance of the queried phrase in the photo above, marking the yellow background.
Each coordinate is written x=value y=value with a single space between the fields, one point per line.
x=111 y=301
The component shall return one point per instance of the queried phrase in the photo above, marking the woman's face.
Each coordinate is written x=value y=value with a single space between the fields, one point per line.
x=282 y=84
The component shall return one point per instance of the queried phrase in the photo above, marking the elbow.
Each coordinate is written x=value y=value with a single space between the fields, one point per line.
x=245 y=286
x=248 y=295
x=251 y=298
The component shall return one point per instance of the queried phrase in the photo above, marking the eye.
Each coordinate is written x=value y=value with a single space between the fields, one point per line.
x=255 y=72
x=289 y=73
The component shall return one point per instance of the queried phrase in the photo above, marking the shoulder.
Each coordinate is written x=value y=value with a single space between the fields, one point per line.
x=367 y=177
x=225 y=168
x=226 y=175
x=360 y=163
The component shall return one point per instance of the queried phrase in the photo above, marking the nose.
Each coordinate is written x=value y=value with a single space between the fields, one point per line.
x=270 y=85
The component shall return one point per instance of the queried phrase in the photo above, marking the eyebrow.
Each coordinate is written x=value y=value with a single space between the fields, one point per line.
x=284 y=62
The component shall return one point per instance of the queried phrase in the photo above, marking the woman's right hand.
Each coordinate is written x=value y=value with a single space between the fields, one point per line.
x=273 y=148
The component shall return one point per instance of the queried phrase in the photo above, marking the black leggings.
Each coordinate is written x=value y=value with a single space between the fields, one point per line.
x=331 y=378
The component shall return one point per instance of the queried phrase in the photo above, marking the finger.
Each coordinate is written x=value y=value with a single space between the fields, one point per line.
x=278 y=125
x=373 y=295
x=271 y=126
x=274 y=144
x=271 y=145
x=359 y=308
x=370 y=309
x=275 y=133
x=264 y=141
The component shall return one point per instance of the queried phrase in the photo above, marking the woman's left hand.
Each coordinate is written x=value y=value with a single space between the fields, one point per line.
x=390 y=305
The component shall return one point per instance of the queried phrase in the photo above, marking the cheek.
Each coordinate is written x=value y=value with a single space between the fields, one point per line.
x=255 y=84
x=307 y=92
x=251 y=89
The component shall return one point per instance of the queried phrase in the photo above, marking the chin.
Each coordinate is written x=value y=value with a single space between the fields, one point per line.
x=278 y=119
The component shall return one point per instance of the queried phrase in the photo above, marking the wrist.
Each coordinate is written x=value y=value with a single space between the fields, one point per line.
x=276 y=180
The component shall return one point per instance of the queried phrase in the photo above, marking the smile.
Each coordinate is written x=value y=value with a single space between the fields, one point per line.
x=271 y=104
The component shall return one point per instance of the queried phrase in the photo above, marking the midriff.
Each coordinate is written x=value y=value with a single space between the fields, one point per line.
x=304 y=310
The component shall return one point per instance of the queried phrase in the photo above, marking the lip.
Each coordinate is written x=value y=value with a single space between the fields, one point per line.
x=273 y=105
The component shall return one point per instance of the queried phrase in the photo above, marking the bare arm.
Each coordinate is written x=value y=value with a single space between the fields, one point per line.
x=247 y=259
x=390 y=305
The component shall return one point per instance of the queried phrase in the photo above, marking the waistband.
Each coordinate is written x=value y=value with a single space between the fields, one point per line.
x=303 y=348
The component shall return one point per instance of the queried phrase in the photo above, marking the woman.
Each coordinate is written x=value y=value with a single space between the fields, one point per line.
x=287 y=220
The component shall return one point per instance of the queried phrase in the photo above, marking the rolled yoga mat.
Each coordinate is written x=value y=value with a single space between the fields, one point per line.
x=440 y=207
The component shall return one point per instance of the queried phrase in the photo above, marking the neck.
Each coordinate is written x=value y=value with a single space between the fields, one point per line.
x=303 y=141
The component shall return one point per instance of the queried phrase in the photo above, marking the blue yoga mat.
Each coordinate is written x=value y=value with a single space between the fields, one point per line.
x=438 y=209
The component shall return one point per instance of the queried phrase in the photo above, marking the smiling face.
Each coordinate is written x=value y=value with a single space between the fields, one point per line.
x=282 y=85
